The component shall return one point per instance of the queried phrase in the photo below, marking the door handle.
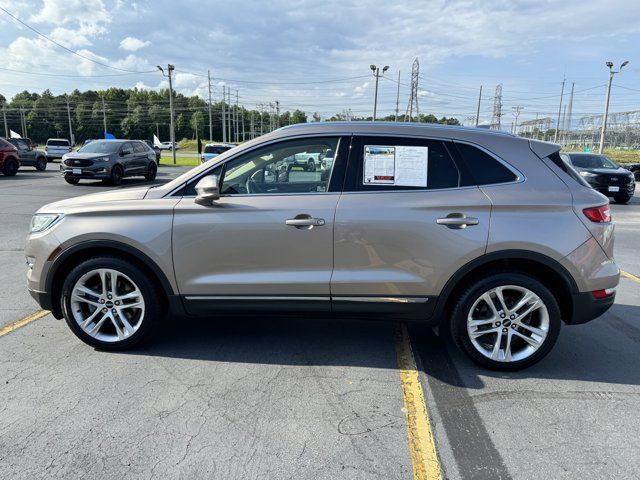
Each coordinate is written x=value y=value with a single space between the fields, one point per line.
x=457 y=221
x=305 y=222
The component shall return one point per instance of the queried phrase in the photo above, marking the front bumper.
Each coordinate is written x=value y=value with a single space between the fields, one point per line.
x=587 y=308
x=92 y=172
x=628 y=189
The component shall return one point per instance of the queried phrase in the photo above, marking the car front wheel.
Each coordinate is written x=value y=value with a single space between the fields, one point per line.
x=116 y=175
x=152 y=171
x=10 y=167
x=506 y=321
x=110 y=303
x=41 y=164
x=622 y=198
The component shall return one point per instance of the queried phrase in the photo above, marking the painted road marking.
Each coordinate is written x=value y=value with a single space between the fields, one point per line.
x=424 y=457
x=629 y=276
x=21 y=323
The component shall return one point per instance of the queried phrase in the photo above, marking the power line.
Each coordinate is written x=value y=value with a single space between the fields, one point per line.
x=62 y=46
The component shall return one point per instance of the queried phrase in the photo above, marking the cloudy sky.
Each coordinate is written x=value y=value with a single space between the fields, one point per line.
x=316 y=55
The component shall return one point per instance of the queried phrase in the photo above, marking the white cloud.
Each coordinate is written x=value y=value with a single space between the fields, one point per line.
x=132 y=44
x=62 y=12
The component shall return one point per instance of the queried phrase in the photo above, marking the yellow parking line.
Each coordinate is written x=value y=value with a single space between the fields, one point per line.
x=629 y=276
x=21 y=323
x=421 y=442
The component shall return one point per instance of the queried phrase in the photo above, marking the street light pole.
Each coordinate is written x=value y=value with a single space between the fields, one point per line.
x=606 y=103
x=172 y=133
x=376 y=73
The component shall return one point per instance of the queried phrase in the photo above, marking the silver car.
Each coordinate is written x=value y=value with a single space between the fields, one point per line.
x=487 y=234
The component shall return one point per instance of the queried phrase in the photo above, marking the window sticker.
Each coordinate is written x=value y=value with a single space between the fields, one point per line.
x=379 y=164
x=396 y=165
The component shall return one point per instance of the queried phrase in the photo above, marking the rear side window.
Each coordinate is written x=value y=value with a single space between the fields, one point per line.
x=564 y=164
x=139 y=147
x=484 y=169
x=396 y=163
x=58 y=143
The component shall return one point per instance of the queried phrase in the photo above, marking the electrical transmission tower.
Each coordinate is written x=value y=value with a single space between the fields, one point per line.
x=497 y=108
x=413 y=95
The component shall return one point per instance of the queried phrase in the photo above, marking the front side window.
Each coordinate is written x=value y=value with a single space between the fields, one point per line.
x=292 y=166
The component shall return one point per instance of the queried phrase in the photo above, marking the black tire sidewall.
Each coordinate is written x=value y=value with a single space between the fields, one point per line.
x=41 y=164
x=470 y=295
x=150 y=295
x=622 y=198
x=72 y=181
x=10 y=167
x=152 y=171
x=116 y=179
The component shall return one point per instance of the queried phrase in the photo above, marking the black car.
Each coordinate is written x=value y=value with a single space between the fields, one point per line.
x=603 y=174
x=155 y=148
x=110 y=161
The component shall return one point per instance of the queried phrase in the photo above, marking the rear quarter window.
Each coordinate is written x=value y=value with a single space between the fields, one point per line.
x=484 y=168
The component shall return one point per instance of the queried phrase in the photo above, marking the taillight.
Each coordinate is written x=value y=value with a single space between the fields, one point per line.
x=601 y=214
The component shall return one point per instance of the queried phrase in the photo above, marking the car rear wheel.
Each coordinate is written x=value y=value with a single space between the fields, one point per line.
x=110 y=303
x=116 y=175
x=506 y=321
x=10 y=167
x=41 y=164
x=72 y=180
x=622 y=198
x=152 y=171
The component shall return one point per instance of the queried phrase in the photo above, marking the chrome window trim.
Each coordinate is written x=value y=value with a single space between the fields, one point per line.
x=382 y=299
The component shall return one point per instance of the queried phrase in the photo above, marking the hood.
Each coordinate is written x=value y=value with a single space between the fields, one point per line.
x=86 y=200
x=610 y=171
x=86 y=156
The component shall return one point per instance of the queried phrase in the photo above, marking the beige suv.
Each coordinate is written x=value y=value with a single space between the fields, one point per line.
x=488 y=234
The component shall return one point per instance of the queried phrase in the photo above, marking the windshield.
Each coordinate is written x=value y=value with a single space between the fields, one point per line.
x=57 y=143
x=97 y=146
x=592 y=161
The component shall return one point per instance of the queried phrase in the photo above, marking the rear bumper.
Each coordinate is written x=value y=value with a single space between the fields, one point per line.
x=587 y=308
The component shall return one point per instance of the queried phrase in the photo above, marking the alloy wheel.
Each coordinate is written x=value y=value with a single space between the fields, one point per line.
x=107 y=305
x=508 y=323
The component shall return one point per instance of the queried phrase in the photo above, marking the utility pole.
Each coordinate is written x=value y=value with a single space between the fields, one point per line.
x=397 y=97
x=516 y=113
x=224 y=115
x=261 y=117
x=230 y=115
x=478 y=112
x=104 y=117
x=376 y=73
x=242 y=119
x=606 y=103
x=278 y=114
x=251 y=127
x=555 y=136
x=71 y=139
x=4 y=116
x=172 y=133
x=157 y=131
x=236 y=116
x=210 y=122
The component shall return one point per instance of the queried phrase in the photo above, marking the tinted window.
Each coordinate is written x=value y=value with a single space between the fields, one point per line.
x=484 y=169
x=587 y=160
x=139 y=147
x=563 y=162
x=100 y=146
x=441 y=169
x=58 y=143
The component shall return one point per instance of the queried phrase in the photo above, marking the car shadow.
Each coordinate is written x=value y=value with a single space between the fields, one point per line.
x=606 y=350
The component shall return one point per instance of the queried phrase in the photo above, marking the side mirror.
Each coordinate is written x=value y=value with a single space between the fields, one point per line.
x=207 y=191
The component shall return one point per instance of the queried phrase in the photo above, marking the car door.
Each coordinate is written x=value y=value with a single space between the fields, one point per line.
x=141 y=154
x=127 y=158
x=409 y=217
x=25 y=153
x=268 y=241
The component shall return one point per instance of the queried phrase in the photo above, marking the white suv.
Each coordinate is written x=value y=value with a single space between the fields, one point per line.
x=57 y=147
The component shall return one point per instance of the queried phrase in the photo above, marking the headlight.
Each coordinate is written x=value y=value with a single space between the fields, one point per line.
x=43 y=221
x=587 y=174
x=102 y=159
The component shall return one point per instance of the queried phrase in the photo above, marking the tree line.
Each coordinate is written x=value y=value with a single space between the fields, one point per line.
x=135 y=113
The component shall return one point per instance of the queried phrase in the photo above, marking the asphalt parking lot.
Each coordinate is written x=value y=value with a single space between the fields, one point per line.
x=294 y=398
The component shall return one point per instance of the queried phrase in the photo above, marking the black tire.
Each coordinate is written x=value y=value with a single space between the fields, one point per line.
x=624 y=198
x=41 y=164
x=311 y=165
x=152 y=302
x=636 y=175
x=466 y=300
x=116 y=175
x=72 y=180
x=10 y=167
x=152 y=171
